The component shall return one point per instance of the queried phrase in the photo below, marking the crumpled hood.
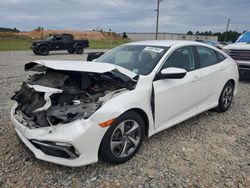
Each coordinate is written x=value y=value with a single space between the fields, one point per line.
x=82 y=66
x=63 y=91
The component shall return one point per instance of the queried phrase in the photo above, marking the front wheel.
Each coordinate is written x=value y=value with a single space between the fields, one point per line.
x=123 y=139
x=226 y=97
x=43 y=50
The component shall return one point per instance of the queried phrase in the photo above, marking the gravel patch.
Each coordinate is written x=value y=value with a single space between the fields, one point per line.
x=209 y=150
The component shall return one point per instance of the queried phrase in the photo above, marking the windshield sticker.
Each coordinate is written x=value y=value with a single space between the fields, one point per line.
x=153 y=49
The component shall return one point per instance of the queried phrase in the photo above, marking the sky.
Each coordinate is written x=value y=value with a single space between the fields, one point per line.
x=178 y=16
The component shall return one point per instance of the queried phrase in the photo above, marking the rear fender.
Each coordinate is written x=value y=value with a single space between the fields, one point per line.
x=77 y=44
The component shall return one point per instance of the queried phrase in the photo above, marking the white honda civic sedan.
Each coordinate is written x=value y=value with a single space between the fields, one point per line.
x=73 y=112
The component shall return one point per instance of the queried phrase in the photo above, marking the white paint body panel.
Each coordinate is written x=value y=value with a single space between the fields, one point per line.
x=239 y=46
x=175 y=101
x=176 y=97
x=84 y=66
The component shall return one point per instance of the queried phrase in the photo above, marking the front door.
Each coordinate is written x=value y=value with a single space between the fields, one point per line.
x=57 y=43
x=177 y=98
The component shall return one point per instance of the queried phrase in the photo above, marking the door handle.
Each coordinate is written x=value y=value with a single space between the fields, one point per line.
x=196 y=78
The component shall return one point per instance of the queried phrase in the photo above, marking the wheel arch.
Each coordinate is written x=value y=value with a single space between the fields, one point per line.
x=77 y=44
x=232 y=81
x=144 y=116
x=46 y=45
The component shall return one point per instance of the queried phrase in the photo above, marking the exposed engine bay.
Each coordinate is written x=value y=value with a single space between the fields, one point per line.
x=51 y=97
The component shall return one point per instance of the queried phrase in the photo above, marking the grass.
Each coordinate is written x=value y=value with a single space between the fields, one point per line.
x=13 y=43
x=106 y=44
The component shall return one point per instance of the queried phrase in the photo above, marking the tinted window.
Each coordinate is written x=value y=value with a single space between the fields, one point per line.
x=220 y=56
x=181 y=58
x=66 y=39
x=58 y=38
x=207 y=56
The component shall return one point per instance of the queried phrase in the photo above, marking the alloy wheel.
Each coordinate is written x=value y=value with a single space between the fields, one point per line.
x=227 y=96
x=125 y=138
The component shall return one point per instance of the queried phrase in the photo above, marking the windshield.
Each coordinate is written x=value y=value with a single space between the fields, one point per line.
x=245 y=37
x=140 y=59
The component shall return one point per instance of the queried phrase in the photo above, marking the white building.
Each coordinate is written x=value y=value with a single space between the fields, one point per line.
x=169 y=36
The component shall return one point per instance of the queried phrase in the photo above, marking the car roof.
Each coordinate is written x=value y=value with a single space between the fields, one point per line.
x=166 y=43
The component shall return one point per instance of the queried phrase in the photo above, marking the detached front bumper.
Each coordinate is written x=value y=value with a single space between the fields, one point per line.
x=83 y=135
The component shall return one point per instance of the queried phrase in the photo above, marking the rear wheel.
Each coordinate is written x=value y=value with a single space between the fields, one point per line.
x=79 y=49
x=43 y=50
x=226 y=97
x=123 y=139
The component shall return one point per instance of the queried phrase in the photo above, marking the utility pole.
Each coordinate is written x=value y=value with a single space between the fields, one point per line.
x=228 y=21
x=157 y=18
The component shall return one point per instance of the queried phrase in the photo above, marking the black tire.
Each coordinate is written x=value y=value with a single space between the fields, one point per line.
x=226 y=97
x=71 y=51
x=43 y=50
x=35 y=52
x=79 y=49
x=131 y=144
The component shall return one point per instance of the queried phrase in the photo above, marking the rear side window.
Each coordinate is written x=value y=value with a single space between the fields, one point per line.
x=66 y=39
x=220 y=57
x=58 y=38
x=207 y=56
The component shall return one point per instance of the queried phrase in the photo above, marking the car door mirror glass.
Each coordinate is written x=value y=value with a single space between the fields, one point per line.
x=172 y=73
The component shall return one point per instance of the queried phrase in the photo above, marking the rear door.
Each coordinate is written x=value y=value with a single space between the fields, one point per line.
x=214 y=75
x=67 y=42
x=176 y=99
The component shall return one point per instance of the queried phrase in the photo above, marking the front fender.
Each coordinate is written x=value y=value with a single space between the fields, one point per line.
x=138 y=98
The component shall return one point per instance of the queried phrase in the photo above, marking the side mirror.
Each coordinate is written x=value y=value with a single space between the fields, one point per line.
x=172 y=73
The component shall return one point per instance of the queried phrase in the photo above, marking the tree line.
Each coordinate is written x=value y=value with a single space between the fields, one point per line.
x=231 y=35
x=4 y=29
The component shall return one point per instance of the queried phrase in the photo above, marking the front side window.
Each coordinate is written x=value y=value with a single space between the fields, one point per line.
x=207 y=56
x=181 y=58
x=140 y=59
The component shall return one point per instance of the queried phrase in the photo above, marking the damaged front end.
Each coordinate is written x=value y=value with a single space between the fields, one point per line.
x=51 y=97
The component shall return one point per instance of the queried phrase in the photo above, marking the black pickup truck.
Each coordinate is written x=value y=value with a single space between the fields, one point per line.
x=59 y=42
